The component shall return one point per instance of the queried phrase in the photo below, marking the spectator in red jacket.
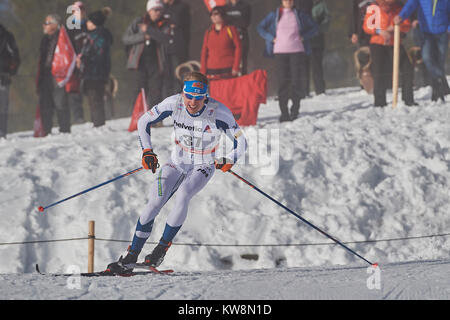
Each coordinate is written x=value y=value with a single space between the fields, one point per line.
x=222 y=48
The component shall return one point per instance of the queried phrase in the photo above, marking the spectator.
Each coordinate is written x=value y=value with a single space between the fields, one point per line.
x=51 y=96
x=321 y=16
x=356 y=32
x=177 y=12
x=358 y=37
x=222 y=49
x=146 y=39
x=304 y=5
x=75 y=97
x=287 y=33
x=94 y=62
x=381 y=51
x=9 y=64
x=239 y=15
x=434 y=22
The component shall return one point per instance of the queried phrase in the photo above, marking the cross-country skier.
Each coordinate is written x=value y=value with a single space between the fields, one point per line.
x=199 y=122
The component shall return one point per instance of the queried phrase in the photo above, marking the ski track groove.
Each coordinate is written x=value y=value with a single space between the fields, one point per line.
x=32 y=219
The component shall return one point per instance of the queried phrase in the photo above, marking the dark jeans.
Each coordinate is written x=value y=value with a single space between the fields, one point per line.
x=4 y=105
x=314 y=65
x=382 y=73
x=290 y=73
x=95 y=92
x=434 y=53
x=53 y=98
x=75 y=100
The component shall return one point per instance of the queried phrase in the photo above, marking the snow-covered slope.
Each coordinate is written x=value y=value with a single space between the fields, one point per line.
x=399 y=281
x=358 y=172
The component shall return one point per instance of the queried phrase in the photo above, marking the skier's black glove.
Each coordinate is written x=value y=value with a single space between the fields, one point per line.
x=150 y=160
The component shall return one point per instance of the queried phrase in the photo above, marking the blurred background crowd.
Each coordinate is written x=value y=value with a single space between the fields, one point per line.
x=122 y=46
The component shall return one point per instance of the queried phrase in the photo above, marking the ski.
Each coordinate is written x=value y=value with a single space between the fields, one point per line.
x=85 y=274
x=107 y=273
x=152 y=269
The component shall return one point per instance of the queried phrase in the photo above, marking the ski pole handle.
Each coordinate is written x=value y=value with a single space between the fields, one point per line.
x=41 y=209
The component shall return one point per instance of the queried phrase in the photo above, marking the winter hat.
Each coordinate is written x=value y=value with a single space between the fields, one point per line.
x=99 y=17
x=80 y=5
x=153 y=4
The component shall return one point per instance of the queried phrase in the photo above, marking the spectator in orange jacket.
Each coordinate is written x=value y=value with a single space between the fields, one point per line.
x=379 y=24
x=222 y=48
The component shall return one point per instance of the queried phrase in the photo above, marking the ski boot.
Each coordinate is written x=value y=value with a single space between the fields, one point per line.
x=124 y=265
x=155 y=258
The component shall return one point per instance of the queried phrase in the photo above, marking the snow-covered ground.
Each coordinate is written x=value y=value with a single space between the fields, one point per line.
x=400 y=281
x=358 y=172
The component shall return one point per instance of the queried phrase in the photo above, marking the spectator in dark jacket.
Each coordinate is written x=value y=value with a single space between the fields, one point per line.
x=147 y=39
x=355 y=30
x=305 y=6
x=9 y=63
x=361 y=39
x=287 y=33
x=222 y=49
x=177 y=13
x=239 y=15
x=51 y=96
x=322 y=17
x=76 y=34
x=94 y=62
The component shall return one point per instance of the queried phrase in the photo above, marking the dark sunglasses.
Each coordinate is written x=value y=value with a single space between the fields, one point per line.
x=46 y=23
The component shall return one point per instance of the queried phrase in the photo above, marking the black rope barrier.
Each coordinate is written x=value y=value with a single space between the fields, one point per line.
x=235 y=245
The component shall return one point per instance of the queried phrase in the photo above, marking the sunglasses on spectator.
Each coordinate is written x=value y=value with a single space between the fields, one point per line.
x=196 y=97
x=215 y=13
x=46 y=23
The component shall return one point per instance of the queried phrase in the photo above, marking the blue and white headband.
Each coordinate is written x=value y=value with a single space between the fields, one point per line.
x=196 y=87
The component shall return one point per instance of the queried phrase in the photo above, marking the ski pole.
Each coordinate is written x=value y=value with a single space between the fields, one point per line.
x=302 y=219
x=41 y=209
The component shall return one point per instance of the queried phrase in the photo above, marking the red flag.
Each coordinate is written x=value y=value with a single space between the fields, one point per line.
x=38 y=128
x=242 y=95
x=140 y=107
x=210 y=4
x=64 y=59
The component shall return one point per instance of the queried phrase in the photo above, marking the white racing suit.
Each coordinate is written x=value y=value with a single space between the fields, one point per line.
x=192 y=160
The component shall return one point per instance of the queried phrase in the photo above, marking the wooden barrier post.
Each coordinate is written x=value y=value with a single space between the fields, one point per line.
x=91 y=246
x=396 y=65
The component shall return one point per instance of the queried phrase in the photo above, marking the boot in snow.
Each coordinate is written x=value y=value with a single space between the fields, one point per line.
x=155 y=258
x=124 y=265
